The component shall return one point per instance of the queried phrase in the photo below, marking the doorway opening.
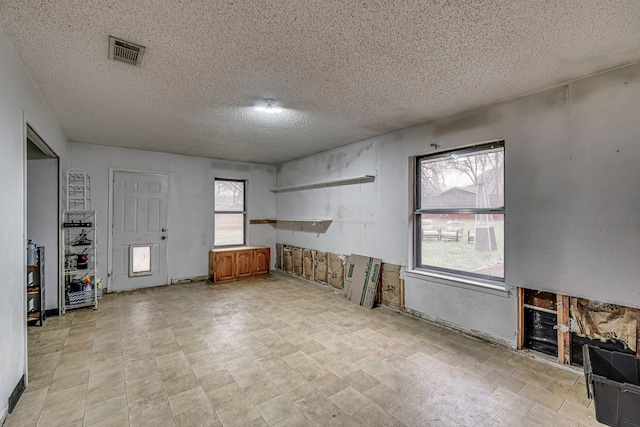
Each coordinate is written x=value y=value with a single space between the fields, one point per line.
x=43 y=218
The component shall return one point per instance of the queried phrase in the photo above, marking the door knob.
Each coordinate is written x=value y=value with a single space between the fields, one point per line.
x=164 y=230
x=164 y=237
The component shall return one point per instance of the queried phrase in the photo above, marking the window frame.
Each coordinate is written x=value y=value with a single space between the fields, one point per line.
x=225 y=212
x=456 y=275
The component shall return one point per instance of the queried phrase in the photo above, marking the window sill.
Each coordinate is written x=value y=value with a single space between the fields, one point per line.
x=478 y=285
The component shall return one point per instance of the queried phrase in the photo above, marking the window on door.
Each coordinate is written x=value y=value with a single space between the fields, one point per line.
x=459 y=212
x=230 y=213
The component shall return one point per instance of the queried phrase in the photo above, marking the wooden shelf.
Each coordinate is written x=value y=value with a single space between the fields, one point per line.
x=295 y=223
x=348 y=181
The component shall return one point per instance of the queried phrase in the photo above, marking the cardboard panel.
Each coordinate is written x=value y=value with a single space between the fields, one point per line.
x=361 y=281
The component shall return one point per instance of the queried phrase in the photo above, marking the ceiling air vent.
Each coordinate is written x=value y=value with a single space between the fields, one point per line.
x=120 y=50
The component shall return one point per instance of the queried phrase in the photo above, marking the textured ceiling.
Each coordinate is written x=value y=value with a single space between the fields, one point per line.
x=343 y=70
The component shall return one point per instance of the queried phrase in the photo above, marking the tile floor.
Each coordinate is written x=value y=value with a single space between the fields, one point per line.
x=278 y=351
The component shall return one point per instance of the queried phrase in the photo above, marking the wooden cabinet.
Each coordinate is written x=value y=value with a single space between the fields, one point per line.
x=244 y=264
x=261 y=259
x=225 y=266
x=238 y=263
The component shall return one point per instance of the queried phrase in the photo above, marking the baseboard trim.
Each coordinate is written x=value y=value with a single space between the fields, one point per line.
x=16 y=393
x=52 y=312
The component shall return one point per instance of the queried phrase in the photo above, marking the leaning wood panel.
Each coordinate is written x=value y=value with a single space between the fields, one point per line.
x=564 y=337
x=520 y=318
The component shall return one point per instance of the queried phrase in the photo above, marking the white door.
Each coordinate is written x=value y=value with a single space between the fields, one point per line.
x=139 y=240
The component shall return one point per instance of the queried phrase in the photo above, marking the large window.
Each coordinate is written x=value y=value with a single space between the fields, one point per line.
x=459 y=211
x=229 y=213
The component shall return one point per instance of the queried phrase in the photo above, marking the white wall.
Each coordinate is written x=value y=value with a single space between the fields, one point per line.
x=572 y=199
x=19 y=102
x=190 y=200
x=42 y=219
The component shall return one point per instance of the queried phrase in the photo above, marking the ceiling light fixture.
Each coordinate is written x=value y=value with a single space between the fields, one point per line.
x=269 y=106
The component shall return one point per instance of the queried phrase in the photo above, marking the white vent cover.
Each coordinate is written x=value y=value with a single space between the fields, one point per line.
x=121 y=50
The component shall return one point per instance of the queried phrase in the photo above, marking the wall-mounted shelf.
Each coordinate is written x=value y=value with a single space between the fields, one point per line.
x=296 y=224
x=349 y=181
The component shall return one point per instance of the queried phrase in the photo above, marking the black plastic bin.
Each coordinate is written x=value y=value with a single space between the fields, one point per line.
x=614 y=379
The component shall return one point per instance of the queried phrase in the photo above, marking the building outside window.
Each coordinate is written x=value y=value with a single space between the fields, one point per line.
x=459 y=212
x=229 y=213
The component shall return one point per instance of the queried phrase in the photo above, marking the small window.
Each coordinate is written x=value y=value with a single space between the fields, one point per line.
x=459 y=211
x=229 y=213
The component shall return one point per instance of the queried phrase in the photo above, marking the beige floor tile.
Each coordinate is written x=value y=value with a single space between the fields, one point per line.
x=373 y=416
x=350 y=400
x=383 y=396
x=225 y=395
x=31 y=400
x=314 y=405
x=279 y=351
x=261 y=392
x=546 y=417
x=105 y=410
x=407 y=411
x=297 y=420
x=546 y=398
x=156 y=405
x=121 y=420
x=335 y=419
x=188 y=400
x=106 y=390
x=577 y=412
x=277 y=409
x=533 y=376
x=73 y=398
x=505 y=381
x=215 y=380
x=237 y=413
x=22 y=418
x=512 y=401
x=238 y=366
x=509 y=418
x=61 y=415
x=181 y=383
x=329 y=384
x=361 y=381
x=138 y=389
x=199 y=416
x=296 y=388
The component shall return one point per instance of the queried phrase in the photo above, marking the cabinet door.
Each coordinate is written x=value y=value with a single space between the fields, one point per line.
x=244 y=264
x=224 y=268
x=262 y=259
